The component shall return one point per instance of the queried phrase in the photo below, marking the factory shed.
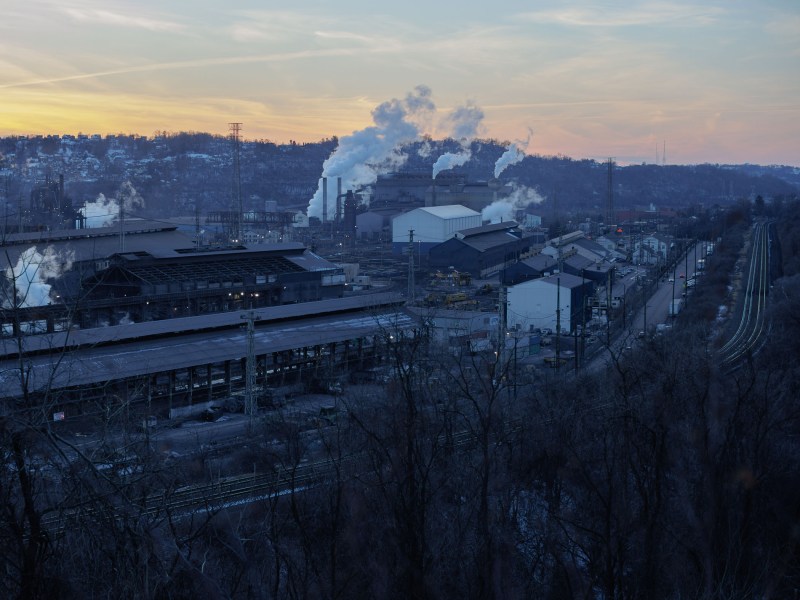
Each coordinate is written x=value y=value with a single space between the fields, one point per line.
x=87 y=250
x=483 y=251
x=431 y=225
x=184 y=362
x=575 y=243
x=529 y=268
x=374 y=223
x=598 y=271
x=548 y=303
x=147 y=271
x=185 y=281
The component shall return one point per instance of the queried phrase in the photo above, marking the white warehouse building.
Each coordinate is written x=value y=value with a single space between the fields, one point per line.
x=535 y=304
x=432 y=225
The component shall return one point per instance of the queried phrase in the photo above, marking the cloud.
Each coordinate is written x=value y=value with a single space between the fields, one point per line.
x=115 y=19
x=658 y=13
x=188 y=64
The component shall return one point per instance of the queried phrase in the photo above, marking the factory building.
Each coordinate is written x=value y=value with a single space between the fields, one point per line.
x=559 y=300
x=476 y=195
x=461 y=331
x=431 y=225
x=529 y=268
x=375 y=223
x=179 y=367
x=575 y=243
x=150 y=271
x=412 y=190
x=598 y=271
x=483 y=251
x=403 y=190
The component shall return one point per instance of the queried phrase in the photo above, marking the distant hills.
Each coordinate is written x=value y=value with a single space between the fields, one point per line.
x=176 y=172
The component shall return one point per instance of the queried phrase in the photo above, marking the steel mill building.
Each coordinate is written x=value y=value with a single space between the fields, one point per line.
x=177 y=366
x=144 y=271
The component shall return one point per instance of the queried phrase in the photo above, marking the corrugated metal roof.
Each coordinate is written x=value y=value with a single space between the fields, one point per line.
x=449 y=211
x=91 y=246
x=492 y=239
x=98 y=365
x=504 y=226
x=184 y=325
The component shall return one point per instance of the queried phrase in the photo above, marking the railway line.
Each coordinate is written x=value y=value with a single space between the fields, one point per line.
x=752 y=328
x=231 y=491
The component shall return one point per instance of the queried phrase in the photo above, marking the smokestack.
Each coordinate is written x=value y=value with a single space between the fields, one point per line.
x=324 y=199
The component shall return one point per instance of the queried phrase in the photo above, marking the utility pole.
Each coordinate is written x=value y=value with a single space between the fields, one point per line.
x=250 y=405
x=608 y=310
x=685 y=271
x=411 y=284
x=503 y=320
x=558 y=322
x=122 y=225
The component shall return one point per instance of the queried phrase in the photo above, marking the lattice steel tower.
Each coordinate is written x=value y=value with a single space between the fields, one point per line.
x=237 y=228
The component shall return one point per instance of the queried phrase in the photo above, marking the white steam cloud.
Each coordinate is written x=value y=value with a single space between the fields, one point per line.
x=450 y=160
x=465 y=123
x=362 y=156
x=27 y=280
x=103 y=212
x=513 y=154
x=506 y=209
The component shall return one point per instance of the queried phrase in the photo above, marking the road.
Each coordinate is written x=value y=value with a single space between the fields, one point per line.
x=655 y=310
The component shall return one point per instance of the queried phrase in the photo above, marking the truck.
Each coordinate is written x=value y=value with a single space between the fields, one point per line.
x=675 y=307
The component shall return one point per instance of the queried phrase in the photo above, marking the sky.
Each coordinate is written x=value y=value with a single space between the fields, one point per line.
x=702 y=82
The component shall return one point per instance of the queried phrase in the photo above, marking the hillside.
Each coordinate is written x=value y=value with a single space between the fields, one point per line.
x=176 y=172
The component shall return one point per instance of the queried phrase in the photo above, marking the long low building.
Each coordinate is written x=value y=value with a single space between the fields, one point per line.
x=159 y=366
x=147 y=271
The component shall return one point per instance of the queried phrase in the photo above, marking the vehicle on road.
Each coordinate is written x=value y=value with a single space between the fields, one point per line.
x=675 y=307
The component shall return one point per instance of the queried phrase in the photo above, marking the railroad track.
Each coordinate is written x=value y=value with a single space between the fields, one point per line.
x=752 y=329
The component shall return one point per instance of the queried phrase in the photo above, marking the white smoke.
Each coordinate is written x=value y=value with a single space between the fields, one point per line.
x=362 y=156
x=464 y=123
x=103 y=212
x=424 y=150
x=450 y=160
x=29 y=277
x=506 y=209
x=513 y=154
x=100 y=213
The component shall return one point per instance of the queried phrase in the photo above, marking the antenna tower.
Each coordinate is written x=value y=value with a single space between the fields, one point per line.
x=664 y=154
x=238 y=209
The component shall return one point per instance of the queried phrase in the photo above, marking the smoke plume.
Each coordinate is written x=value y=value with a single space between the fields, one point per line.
x=450 y=160
x=103 y=212
x=513 y=154
x=464 y=124
x=506 y=209
x=362 y=156
x=30 y=275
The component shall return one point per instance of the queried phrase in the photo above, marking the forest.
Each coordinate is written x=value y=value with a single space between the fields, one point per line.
x=178 y=172
x=659 y=476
